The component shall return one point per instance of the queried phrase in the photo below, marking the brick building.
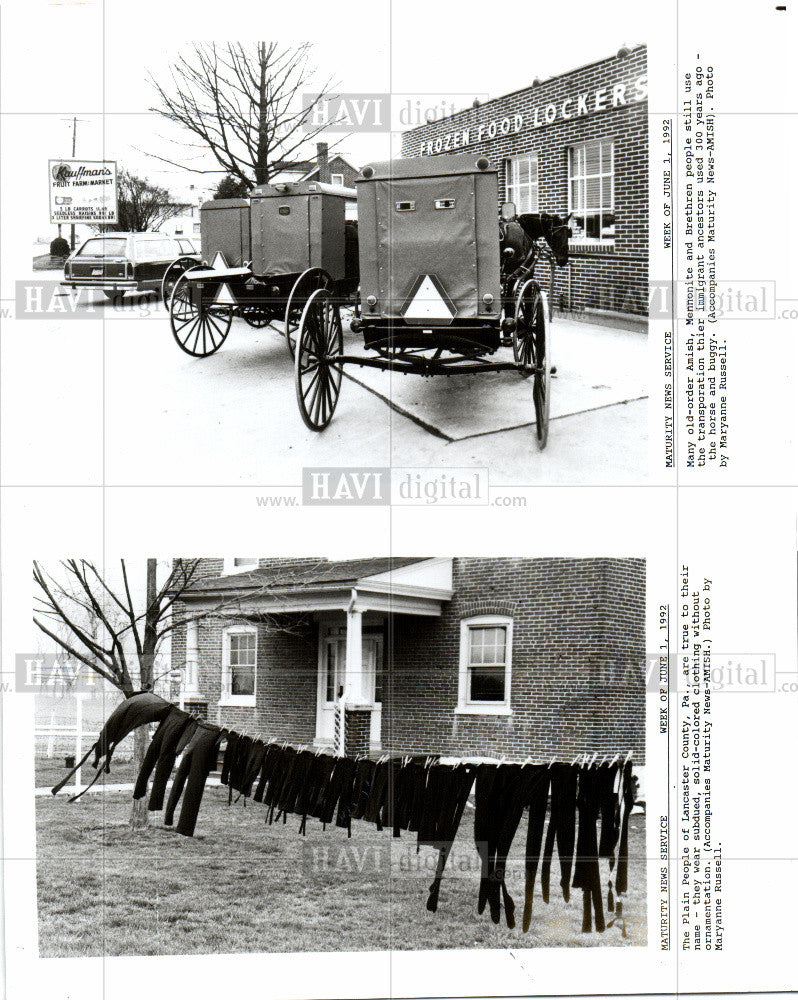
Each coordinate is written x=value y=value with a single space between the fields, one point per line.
x=577 y=143
x=463 y=656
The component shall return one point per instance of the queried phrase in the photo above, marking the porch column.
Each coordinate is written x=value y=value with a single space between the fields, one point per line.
x=353 y=682
x=191 y=676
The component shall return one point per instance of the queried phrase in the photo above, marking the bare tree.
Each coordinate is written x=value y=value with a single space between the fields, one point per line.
x=245 y=104
x=101 y=626
x=142 y=206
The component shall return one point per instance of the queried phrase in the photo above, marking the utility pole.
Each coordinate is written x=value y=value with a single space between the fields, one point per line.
x=74 y=137
x=75 y=121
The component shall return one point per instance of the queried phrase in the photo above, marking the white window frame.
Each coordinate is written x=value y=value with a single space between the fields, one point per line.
x=339 y=182
x=573 y=151
x=464 y=705
x=515 y=187
x=227 y=697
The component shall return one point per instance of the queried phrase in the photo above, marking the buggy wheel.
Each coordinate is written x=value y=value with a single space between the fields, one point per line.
x=317 y=376
x=256 y=316
x=305 y=284
x=199 y=327
x=171 y=274
x=532 y=350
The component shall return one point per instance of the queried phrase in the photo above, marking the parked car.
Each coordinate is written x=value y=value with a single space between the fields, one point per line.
x=119 y=262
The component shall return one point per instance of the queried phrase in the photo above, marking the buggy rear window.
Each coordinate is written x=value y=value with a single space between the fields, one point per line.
x=102 y=247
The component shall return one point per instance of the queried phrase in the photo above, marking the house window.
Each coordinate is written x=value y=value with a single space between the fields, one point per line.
x=485 y=665
x=239 y=665
x=521 y=173
x=337 y=179
x=591 y=191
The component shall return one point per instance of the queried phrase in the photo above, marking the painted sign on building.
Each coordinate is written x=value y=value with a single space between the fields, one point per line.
x=82 y=191
x=577 y=105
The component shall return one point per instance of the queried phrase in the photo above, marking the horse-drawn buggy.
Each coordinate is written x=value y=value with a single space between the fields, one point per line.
x=445 y=282
x=262 y=258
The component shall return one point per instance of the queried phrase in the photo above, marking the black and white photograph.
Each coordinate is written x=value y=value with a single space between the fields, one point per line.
x=472 y=325
x=365 y=754
x=286 y=262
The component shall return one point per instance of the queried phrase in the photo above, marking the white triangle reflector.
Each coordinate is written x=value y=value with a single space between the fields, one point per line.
x=219 y=263
x=428 y=303
x=224 y=297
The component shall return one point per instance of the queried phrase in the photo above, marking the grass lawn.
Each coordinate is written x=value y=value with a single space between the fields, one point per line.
x=240 y=885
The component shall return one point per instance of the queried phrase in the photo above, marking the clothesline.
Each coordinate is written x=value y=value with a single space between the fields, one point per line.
x=422 y=794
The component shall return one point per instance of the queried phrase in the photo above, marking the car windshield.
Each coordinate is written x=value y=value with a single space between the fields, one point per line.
x=103 y=247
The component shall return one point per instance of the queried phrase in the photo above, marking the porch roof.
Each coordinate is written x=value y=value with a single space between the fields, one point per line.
x=402 y=585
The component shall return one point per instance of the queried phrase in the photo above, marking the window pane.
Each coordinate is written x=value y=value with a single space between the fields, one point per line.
x=103 y=248
x=486 y=684
x=592 y=192
x=242 y=680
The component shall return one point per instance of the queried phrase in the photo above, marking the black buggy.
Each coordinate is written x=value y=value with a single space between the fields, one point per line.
x=444 y=284
x=262 y=257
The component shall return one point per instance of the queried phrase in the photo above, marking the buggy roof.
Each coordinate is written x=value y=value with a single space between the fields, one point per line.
x=426 y=166
x=301 y=187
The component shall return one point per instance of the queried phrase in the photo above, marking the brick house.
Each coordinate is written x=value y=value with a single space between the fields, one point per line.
x=463 y=656
x=575 y=143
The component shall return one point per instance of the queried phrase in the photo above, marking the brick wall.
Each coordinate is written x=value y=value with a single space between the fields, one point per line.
x=608 y=278
x=577 y=667
x=578 y=670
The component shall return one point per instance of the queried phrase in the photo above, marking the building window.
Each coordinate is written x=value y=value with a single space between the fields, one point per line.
x=591 y=191
x=521 y=173
x=485 y=665
x=337 y=179
x=239 y=665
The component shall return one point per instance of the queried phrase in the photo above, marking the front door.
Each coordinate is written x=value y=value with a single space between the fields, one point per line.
x=332 y=677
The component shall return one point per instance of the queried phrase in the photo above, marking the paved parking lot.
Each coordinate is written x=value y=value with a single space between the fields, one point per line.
x=232 y=418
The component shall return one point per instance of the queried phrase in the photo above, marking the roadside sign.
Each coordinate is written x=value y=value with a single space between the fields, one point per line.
x=82 y=191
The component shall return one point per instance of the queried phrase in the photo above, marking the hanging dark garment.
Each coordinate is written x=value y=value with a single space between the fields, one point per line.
x=340 y=778
x=279 y=781
x=229 y=753
x=344 y=817
x=199 y=759
x=518 y=782
x=609 y=811
x=166 y=761
x=238 y=767
x=537 y=797
x=379 y=793
x=487 y=796
x=164 y=739
x=257 y=752
x=319 y=776
x=627 y=792
x=610 y=814
x=137 y=710
x=454 y=786
x=562 y=826
x=587 y=876
x=270 y=761
x=361 y=789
